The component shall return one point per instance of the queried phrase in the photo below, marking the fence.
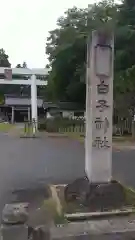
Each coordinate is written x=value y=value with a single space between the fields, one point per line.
x=123 y=127
x=78 y=129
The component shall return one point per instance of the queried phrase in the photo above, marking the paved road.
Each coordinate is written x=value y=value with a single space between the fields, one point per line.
x=24 y=162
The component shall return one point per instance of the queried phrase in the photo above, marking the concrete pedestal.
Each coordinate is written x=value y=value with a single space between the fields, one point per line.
x=96 y=196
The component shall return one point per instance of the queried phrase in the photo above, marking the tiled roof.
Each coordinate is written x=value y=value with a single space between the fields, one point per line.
x=64 y=106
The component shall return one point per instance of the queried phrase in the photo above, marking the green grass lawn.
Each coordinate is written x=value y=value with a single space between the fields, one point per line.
x=5 y=127
x=123 y=139
x=117 y=139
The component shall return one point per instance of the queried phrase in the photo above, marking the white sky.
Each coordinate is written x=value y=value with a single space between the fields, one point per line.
x=25 y=25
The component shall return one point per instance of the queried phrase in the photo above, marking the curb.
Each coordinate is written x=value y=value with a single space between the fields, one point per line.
x=56 y=199
x=54 y=134
x=132 y=190
x=97 y=215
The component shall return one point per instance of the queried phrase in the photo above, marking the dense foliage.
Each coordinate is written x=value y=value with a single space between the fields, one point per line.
x=66 y=49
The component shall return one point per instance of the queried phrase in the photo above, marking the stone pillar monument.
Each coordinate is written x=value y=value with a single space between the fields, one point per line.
x=99 y=108
x=97 y=189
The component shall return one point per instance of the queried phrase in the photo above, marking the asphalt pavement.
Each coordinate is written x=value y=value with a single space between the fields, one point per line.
x=27 y=162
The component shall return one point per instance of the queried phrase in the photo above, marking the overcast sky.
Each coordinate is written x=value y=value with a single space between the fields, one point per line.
x=25 y=25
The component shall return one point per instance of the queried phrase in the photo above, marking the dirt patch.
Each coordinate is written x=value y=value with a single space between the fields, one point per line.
x=35 y=198
x=29 y=136
x=56 y=135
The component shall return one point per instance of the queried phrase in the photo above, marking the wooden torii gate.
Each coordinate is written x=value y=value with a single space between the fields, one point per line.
x=31 y=80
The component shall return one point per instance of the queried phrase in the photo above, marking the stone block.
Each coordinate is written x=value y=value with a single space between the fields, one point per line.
x=40 y=233
x=14 y=232
x=15 y=213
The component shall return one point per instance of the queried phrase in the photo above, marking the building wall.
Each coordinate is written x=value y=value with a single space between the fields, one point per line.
x=21 y=101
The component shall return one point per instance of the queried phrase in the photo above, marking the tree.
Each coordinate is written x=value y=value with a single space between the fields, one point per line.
x=4 y=62
x=66 y=49
x=125 y=57
x=24 y=65
x=18 y=65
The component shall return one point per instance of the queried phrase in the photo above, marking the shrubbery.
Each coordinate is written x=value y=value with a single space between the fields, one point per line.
x=58 y=123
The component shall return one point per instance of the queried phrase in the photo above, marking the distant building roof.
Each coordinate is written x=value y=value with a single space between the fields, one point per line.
x=26 y=71
x=19 y=96
x=68 y=106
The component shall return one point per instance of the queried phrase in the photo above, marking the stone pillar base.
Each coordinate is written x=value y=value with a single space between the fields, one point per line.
x=96 y=196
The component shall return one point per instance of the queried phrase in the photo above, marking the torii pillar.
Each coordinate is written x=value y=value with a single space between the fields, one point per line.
x=34 y=104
